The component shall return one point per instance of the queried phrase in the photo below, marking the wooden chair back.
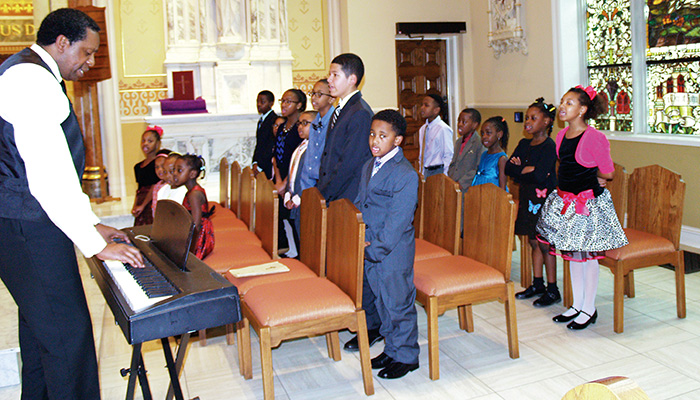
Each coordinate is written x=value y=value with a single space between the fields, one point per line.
x=418 y=216
x=312 y=250
x=224 y=176
x=618 y=192
x=235 y=196
x=266 y=214
x=655 y=202
x=442 y=202
x=346 y=248
x=247 y=204
x=488 y=228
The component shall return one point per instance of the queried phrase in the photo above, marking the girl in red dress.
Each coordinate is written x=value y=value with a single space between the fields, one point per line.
x=186 y=171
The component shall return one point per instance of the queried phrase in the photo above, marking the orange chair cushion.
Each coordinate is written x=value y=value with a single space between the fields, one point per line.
x=225 y=257
x=227 y=222
x=426 y=250
x=453 y=274
x=641 y=244
x=289 y=302
x=297 y=270
x=236 y=237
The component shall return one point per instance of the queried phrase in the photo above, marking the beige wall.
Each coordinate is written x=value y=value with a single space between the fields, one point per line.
x=370 y=30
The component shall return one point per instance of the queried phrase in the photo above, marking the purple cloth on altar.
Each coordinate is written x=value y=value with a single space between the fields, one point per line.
x=170 y=106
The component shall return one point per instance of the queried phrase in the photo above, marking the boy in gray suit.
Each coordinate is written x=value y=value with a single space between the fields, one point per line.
x=468 y=149
x=387 y=197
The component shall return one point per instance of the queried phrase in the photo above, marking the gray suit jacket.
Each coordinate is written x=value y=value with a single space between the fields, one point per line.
x=463 y=166
x=388 y=201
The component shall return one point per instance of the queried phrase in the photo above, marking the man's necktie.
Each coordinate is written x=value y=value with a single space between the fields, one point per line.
x=334 y=118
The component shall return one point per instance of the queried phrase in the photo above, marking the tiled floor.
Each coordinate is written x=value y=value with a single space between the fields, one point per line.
x=660 y=352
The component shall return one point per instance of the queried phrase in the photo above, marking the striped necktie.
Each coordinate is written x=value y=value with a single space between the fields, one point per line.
x=377 y=165
x=334 y=118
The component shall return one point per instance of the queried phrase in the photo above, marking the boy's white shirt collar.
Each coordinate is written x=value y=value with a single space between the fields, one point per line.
x=46 y=57
x=263 y=116
x=342 y=101
x=388 y=156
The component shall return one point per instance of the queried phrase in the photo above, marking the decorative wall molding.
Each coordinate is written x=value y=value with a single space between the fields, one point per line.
x=506 y=33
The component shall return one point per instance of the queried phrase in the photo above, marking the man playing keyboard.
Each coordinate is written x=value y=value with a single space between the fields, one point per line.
x=43 y=211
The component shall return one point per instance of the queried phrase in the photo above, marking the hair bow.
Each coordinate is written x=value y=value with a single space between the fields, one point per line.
x=156 y=129
x=589 y=91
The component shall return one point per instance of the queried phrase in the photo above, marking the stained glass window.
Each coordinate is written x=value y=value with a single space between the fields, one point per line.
x=609 y=40
x=672 y=64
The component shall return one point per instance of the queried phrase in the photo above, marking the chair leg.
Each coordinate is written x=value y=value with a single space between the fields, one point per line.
x=333 y=345
x=568 y=297
x=680 y=285
x=629 y=284
x=466 y=318
x=511 y=322
x=245 y=359
x=433 y=339
x=202 y=337
x=230 y=334
x=363 y=344
x=525 y=262
x=618 y=301
x=266 y=361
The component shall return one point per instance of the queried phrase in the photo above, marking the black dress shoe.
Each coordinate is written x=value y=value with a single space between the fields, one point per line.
x=564 y=318
x=373 y=336
x=547 y=299
x=531 y=291
x=577 y=327
x=381 y=361
x=397 y=370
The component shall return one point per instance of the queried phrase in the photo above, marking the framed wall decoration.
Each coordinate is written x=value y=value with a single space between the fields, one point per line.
x=506 y=33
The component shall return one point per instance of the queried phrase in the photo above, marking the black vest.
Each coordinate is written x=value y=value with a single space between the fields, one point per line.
x=16 y=202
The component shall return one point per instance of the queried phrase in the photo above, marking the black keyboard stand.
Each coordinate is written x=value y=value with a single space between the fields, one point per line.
x=138 y=369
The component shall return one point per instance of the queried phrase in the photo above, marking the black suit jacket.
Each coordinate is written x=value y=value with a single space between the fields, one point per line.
x=346 y=151
x=264 y=142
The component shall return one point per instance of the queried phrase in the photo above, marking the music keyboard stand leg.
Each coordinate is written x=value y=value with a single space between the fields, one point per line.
x=174 y=366
x=137 y=369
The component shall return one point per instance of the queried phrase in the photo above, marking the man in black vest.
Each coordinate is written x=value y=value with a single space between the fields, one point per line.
x=43 y=211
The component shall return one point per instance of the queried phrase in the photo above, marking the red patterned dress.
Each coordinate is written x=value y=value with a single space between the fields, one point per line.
x=204 y=243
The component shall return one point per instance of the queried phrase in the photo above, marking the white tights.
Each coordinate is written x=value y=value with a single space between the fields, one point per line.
x=584 y=285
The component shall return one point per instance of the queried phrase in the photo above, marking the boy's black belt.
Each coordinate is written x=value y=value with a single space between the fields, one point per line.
x=434 y=167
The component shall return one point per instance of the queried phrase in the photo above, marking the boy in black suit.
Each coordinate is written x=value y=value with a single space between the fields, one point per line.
x=264 y=135
x=346 y=148
x=388 y=196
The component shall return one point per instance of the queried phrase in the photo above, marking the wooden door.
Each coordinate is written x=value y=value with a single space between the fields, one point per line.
x=421 y=68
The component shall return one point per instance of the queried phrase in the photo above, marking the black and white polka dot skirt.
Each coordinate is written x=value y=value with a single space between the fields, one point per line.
x=576 y=235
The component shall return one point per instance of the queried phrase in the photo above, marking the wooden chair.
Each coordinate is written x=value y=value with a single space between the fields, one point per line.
x=481 y=273
x=277 y=312
x=442 y=204
x=654 y=216
x=235 y=196
x=610 y=388
x=525 y=249
x=618 y=191
x=224 y=177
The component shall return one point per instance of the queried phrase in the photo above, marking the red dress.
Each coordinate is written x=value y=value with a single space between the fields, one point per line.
x=204 y=243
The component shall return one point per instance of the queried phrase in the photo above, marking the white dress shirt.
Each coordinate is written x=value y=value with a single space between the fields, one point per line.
x=383 y=159
x=36 y=108
x=438 y=144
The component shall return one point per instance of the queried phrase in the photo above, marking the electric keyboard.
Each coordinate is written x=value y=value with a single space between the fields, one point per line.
x=162 y=300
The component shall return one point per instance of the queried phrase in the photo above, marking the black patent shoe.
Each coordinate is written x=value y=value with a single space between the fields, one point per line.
x=564 y=318
x=577 y=327
x=531 y=291
x=547 y=299
x=397 y=370
x=373 y=337
x=381 y=361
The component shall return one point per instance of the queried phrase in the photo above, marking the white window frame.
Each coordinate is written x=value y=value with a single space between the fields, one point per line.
x=570 y=66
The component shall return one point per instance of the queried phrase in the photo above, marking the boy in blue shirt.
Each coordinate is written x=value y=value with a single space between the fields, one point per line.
x=387 y=198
